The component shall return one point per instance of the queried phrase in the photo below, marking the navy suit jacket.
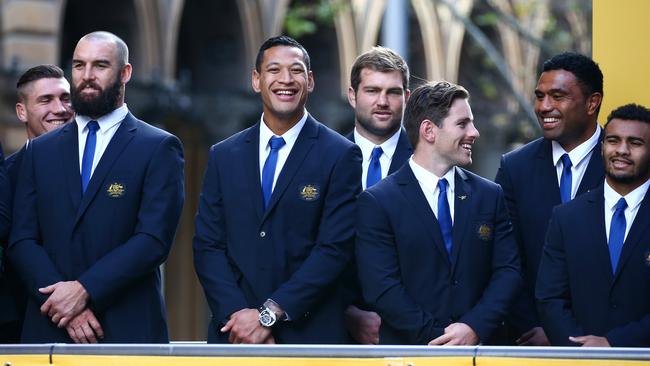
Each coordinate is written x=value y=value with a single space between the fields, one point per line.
x=406 y=273
x=403 y=152
x=112 y=239
x=292 y=252
x=12 y=294
x=529 y=181
x=576 y=291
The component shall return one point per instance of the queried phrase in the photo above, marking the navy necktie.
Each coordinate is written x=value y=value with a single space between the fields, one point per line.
x=444 y=215
x=565 y=179
x=268 y=172
x=617 y=233
x=89 y=154
x=374 y=169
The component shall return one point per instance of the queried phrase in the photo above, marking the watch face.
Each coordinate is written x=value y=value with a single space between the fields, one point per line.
x=267 y=318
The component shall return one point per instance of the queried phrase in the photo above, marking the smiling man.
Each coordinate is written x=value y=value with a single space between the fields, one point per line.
x=551 y=170
x=100 y=200
x=43 y=105
x=594 y=286
x=435 y=250
x=275 y=224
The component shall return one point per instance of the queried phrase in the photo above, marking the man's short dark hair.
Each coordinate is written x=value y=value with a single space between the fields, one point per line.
x=379 y=59
x=430 y=101
x=34 y=74
x=280 y=41
x=630 y=112
x=586 y=71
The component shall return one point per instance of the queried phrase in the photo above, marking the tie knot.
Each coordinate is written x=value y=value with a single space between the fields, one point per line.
x=566 y=161
x=442 y=185
x=621 y=205
x=276 y=142
x=376 y=152
x=93 y=126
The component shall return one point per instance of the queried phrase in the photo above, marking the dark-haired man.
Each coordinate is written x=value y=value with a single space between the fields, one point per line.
x=551 y=170
x=378 y=90
x=43 y=105
x=593 y=287
x=99 y=203
x=435 y=250
x=276 y=215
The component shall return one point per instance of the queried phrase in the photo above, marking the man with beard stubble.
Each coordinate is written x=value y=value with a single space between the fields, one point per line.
x=593 y=287
x=378 y=91
x=100 y=202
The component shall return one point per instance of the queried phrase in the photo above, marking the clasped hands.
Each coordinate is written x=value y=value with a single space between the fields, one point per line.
x=66 y=307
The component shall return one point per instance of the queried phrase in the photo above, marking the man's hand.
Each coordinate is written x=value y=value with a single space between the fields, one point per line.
x=84 y=328
x=591 y=341
x=244 y=327
x=534 y=337
x=67 y=299
x=362 y=325
x=456 y=334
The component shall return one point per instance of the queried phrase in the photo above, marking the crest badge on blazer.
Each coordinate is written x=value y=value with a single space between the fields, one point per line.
x=115 y=190
x=646 y=258
x=484 y=232
x=309 y=192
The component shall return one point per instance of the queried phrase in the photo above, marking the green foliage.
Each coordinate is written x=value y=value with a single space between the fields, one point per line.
x=304 y=17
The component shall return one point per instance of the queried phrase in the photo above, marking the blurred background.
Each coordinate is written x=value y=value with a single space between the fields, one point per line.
x=192 y=62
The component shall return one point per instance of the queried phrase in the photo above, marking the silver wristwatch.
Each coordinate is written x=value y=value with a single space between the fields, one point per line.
x=267 y=316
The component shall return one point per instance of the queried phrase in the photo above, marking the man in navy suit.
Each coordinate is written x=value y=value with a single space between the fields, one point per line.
x=99 y=202
x=43 y=105
x=378 y=90
x=593 y=287
x=275 y=224
x=436 y=254
x=553 y=169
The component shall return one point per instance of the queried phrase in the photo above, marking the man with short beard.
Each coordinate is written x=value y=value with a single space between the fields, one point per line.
x=593 y=287
x=100 y=202
x=378 y=90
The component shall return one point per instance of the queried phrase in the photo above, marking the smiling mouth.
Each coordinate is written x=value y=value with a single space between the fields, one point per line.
x=285 y=93
x=466 y=146
x=57 y=122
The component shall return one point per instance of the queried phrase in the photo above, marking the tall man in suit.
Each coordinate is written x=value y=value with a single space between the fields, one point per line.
x=275 y=224
x=593 y=287
x=99 y=200
x=436 y=254
x=43 y=105
x=378 y=91
x=551 y=170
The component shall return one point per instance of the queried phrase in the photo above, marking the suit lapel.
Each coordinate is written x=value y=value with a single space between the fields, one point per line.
x=594 y=214
x=463 y=209
x=636 y=235
x=119 y=141
x=69 y=146
x=547 y=174
x=402 y=152
x=413 y=192
x=299 y=152
x=595 y=173
x=251 y=157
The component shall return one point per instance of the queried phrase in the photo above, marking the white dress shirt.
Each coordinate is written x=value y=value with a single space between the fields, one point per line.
x=289 y=137
x=429 y=184
x=388 y=147
x=108 y=124
x=633 y=200
x=579 y=156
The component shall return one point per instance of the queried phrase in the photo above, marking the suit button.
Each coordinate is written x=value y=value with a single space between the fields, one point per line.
x=262 y=234
x=455 y=283
x=613 y=306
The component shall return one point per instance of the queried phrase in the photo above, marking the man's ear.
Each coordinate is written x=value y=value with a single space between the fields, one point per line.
x=21 y=112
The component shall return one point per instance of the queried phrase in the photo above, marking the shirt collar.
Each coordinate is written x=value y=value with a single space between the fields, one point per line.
x=106 y=121
x=633 y=198
x=431 y=180
x=289 y=137
x=579 y=153
x=388 y=147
